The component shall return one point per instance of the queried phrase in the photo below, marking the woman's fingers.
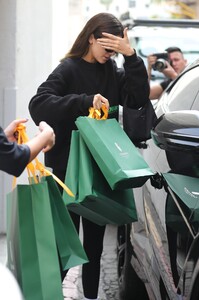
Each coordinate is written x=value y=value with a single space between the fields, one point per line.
x=99 y=100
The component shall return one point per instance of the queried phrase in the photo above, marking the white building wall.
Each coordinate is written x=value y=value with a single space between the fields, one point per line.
x=7 y=82
x=25 y=61
x=33 y=51
x=60 y=30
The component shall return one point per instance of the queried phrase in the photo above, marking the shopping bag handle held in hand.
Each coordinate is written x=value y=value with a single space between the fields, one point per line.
x=97 y=114
x=31 y=168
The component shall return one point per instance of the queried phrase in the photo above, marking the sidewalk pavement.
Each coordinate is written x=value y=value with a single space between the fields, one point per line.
x=72 y=286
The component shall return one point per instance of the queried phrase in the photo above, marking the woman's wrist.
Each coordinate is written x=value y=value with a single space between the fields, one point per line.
x=130 y=52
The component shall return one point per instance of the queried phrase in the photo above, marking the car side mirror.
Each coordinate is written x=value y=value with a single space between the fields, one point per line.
x=178 y=131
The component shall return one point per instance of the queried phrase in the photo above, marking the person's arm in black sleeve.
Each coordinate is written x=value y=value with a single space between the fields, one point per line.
x=13 y=158
x=54 y=101
x=136 y=81
x=164 y=84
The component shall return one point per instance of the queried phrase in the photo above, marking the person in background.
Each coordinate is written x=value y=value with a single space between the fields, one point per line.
x=174 y=67
x=88 y=77
x=13 y=157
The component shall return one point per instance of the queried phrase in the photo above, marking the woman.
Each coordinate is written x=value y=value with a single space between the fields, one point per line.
x=13 y=157
x=87 y=76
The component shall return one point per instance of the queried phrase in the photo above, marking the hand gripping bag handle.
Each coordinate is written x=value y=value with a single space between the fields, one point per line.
x=38 y=166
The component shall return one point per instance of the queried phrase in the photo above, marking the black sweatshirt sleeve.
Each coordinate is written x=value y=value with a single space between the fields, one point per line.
x=136 y=81
x=56 y=97
x=13 y=157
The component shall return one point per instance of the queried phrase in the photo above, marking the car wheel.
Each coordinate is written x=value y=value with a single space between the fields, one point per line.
x=130 y=285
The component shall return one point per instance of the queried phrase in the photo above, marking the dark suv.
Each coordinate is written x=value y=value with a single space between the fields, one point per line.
x=158 y=256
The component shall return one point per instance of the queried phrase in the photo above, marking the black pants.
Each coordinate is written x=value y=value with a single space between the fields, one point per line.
x=93 y=236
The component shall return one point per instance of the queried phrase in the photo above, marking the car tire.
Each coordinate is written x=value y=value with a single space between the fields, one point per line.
x=130 y=285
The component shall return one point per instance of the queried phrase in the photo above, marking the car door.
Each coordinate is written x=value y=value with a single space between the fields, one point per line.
x=182 y=94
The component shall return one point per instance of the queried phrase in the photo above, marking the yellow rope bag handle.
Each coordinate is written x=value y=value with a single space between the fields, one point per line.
x=97 y=114
x=38 y=166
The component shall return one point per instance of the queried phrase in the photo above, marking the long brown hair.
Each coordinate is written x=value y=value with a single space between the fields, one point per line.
x=102 y=22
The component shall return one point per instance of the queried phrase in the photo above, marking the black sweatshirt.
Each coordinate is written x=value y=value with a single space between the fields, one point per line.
x=69 y=90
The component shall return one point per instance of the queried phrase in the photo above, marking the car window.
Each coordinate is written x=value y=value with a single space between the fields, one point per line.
x=183 y=93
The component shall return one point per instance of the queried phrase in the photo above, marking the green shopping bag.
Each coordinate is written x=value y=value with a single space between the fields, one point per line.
x=187 y=189
x=38 y=227
x=173 y=217
x=68 y=243
x=72 y=181
x=31 y=245
x=119 y=160
x=72 y=171
x=95 y=200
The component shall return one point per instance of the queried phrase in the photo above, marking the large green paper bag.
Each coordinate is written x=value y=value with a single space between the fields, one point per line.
x=95 y=200
x=72 y=181
x=68 y=243
x=173 y=217
x=119 y=160
x=187 y=190
x=31 y=244
x=38 y=226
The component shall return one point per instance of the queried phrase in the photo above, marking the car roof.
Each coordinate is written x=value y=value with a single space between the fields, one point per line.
x=180 y=23
x=153 y=28
x=156 y=32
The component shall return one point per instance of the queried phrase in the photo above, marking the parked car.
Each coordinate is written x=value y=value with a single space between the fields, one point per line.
x=158 y=256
